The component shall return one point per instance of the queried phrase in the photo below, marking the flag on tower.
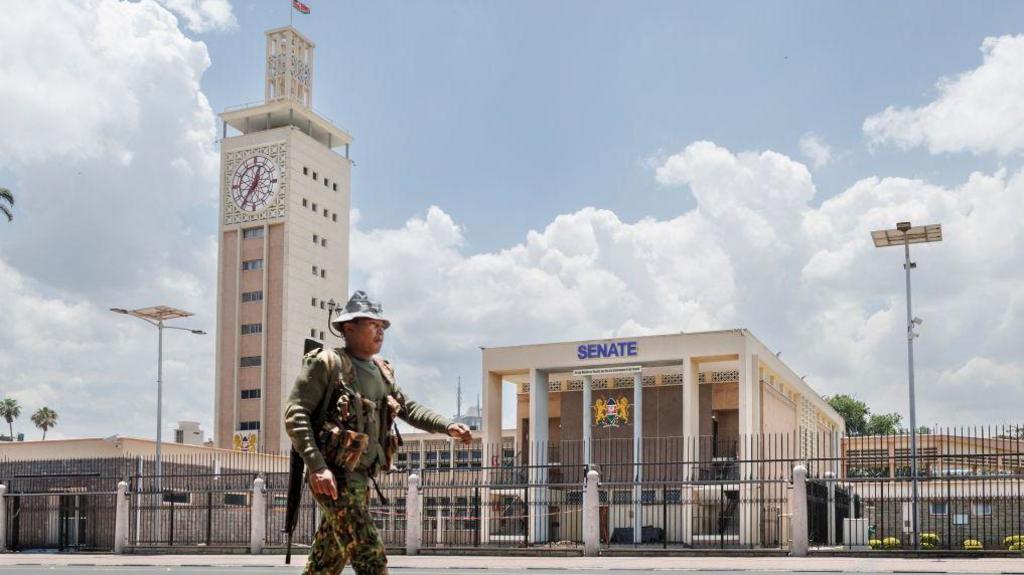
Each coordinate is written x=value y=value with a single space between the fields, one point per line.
x=300 y=6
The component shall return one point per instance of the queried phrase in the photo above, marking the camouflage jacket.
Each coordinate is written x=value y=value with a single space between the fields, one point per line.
x=333 y=424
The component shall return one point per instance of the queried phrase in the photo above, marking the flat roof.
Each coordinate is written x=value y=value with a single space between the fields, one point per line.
x=260 y=117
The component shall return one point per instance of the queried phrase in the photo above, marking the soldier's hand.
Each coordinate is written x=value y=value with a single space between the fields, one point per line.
x=461 y=432
x=322 y=483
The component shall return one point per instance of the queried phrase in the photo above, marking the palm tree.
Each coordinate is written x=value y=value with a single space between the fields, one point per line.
x=8 y=197
x=44 y=418
x=10 y=410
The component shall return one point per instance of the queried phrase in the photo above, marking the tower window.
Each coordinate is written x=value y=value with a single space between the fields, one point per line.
x=305 y=170
x=314 y=302
x=323 y=242
x=312 y=333
x=305 y=203
x=252 y=296
x=252 y=233
x=250 y=361
x=334 y=217
x=315 y=270
x=335 y=186
x=325 y=212
x=325 y=182
x=323 y=273
x=248 y=425
x=251 y=394
x=250 y=265
x=252 y=328
x=314 y=176
x=315 y=238
x=314 y=206
x=322 y=337
x=322 y=306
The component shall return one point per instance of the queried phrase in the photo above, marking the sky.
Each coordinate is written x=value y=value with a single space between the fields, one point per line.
x=530 y=172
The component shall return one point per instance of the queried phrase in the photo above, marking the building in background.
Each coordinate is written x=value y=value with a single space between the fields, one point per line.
x=284 y=244
x=189 y=433
x=471 y=418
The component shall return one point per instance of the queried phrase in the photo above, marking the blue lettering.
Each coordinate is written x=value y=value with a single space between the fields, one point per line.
x=581 y=352
x=592 y=350
x=631 y=346
x=607 y=349
x=613 y=349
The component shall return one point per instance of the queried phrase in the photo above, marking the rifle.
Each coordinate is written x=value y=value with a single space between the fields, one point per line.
x=296 y=467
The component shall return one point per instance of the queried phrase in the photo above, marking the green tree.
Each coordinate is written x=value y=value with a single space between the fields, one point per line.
x=883 y=424
x=6 y=197
x=853 y=411
x=44 y=418
x=10 y=410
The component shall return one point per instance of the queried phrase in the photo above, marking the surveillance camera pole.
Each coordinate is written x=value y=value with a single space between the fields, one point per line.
x=908 y=265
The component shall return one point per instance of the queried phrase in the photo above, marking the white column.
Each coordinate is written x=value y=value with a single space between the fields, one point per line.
x=588 y=400
x=538 y=493
x=830 y=478
x=121 y=517
x=591 y=515
x=691 y=438
x=798 y=522
x=3 y=518
x=638 y=455
x=490 y=445
x=258 y=517
x=413 y=524
x=750 y=428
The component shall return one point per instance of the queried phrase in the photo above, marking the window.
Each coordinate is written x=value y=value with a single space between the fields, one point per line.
x=982 y=509
x=323 y=242
x=248 y=425
x=938 y=508
x=325 y=182
x=251 y=394
x=305 y=203
x=326 y=212
x=314 y=206
x=314 y=302
x=622 y=496
x=252 y=296
x=252 y=233
x=251 y=328
x=315 y=270
x=237 y=499
x=673 y=496
x=251 y=265
x=312 y=333
x=250 y=361
x=321 y=335
x=574 y=498
x=305 y=170
x=334 y=217
x=177 y=497
x=314 y=176
x=322 y=306
x=647 y=496
x=335 y=186
x=323 y=273
x=316 y=239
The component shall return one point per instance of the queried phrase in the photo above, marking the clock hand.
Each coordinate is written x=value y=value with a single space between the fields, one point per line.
x=252 y=187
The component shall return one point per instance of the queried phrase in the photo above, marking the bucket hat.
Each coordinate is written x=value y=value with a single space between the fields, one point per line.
x=360 y=305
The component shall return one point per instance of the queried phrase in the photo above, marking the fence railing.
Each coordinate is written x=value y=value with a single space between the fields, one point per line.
x=734 y=493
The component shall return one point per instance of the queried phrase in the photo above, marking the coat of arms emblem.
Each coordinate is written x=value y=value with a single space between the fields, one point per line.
x=611 y=412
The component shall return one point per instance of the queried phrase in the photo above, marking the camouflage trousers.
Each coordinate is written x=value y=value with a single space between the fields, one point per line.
x=346 y=534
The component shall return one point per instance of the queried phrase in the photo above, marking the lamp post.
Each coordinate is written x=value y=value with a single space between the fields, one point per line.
x=904 y=234
x=156 y=316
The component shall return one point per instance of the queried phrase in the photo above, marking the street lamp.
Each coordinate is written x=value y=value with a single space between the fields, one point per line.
x=904 y=234
x=156 y=316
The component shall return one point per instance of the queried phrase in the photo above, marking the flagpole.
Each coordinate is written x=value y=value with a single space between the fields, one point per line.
x=291 y=11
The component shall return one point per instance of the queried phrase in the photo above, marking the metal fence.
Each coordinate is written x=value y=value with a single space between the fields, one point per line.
x=732 y=493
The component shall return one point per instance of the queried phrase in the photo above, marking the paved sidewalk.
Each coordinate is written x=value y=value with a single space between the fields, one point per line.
x=817 y=564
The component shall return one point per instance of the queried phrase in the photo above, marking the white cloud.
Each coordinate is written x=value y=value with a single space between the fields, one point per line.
x=815 y=149
x=112 y=157
x=203 y=15
x=753 y=253
x=977 y=111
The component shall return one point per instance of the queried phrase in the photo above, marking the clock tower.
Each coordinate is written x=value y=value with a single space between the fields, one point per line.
x=284 y=229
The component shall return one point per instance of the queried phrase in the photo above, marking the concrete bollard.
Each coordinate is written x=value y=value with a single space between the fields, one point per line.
x=3 y=518
x=591 y=515
x=258 y=517
x=121 y=508
x=413 y=524
x=798 y=522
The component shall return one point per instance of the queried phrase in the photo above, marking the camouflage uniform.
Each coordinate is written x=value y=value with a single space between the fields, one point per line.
x=340 y=415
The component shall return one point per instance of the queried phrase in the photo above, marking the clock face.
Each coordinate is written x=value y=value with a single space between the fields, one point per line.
x=254 y=184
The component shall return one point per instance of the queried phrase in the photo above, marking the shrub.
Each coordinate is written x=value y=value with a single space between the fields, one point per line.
x=973 y=545
x=1010 y=540
x=892 y=543
x=1017 y=547
x=929 y=541
x=875 y=543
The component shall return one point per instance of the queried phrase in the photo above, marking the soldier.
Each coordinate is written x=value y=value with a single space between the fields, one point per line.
x=341 y=419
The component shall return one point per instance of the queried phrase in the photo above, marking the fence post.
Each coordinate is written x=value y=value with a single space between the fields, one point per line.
x=798 y=523
x=258 y=517
x=831 y=484
x=413 y=524
x=121 y=517
x=591 y=515
x=3 y=518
